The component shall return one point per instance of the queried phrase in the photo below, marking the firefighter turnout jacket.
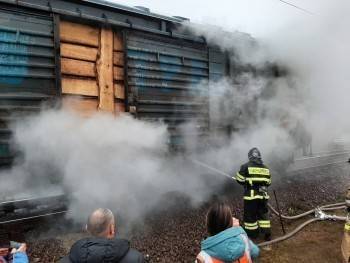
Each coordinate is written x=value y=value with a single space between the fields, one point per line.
x=255 y=177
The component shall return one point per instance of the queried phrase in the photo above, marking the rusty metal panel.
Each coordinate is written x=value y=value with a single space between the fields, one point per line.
x=27 y=68
x=168 y=80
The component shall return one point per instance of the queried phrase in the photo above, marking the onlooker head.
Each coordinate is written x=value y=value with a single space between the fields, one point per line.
x=102 y=246
x=227 y=241
x=101 y=223
x=219 y=218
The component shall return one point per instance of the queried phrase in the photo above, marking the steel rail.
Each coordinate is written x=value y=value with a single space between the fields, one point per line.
x=32 y=199
x=32 y=217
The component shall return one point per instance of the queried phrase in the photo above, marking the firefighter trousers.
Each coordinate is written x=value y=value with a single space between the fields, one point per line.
x=256 y=218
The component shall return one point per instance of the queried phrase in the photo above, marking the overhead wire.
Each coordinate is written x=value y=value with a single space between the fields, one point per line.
x=297 y=7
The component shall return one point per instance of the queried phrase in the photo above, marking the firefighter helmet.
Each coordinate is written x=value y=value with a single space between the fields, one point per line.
x=254 y=154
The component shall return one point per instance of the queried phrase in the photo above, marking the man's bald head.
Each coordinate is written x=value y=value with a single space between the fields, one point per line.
x=101 y=223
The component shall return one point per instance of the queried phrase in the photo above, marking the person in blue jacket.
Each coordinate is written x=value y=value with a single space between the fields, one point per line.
x=227 y=241
x=20 y=255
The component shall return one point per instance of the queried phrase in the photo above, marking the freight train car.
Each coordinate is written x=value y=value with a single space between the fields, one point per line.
x=95 y=55
x=99 y=56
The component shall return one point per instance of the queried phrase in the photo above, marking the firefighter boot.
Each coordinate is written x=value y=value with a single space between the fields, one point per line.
x=267 y=237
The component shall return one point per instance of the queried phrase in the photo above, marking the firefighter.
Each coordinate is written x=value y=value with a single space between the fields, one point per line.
x=255 y=177
x=345 y=245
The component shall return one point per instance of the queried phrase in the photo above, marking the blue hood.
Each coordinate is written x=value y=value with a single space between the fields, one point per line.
x=228 y=245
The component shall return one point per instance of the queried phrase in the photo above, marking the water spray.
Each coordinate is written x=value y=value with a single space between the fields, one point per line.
x=319 y=213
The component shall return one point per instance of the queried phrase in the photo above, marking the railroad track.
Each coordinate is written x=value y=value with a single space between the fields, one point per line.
x=31 y=208
x=20 y=215
x=319 y=160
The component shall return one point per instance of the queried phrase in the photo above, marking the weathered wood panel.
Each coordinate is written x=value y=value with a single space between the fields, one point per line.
x=119 y=91
x=78 y=52
x=92 y=64
x=79 y=34
x=119 y=107
x=118 y=59
x=77 y=67
x=83 y=106
x=76 y=86
x=105 y=71
x=118 y=73
x=118 y=42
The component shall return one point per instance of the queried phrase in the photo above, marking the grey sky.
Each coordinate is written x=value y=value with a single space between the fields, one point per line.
x=258 y=17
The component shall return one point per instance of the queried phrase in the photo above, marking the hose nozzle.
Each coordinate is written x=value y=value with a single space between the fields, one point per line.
x=323 y=216
x=320 y=214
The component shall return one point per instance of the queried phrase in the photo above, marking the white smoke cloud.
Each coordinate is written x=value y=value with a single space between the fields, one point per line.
x=102 y=161
x=316 y=50
x=258 y=105
x=124 y=163
x=310 y=101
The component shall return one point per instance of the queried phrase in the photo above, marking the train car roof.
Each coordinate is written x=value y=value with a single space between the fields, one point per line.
x=140 y=10
x=108 y=12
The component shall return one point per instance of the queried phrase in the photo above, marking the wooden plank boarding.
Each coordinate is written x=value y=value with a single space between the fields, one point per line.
x=77 y=67
x=119 y=107
x=104 y=66
x=118 y=42
x=92 y=63
x=119 y=91
x=78 y=52
x=85 y=107
x=118 y=59
x=79 y=34
x=118 y=73
x=77 y=86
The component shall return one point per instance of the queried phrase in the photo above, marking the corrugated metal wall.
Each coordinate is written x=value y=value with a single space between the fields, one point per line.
x=27 y=68
x=217 y=64
x=167 y=78
x=168 y=81
x=218 y=68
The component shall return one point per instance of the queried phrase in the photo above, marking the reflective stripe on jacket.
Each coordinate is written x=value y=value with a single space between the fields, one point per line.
x=254 y=176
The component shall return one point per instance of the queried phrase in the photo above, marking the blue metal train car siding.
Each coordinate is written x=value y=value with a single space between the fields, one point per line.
x=167 y=71
x=27 y=68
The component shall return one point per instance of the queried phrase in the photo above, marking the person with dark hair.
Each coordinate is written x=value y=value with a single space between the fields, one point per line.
x=3 y=254
x=102 y=246
x=255 y=177
x=17 y=255
x=227 y=241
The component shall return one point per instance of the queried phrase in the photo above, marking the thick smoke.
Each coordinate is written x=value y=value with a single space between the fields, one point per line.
x=282 y=88
x=258 y=105
x=317 y=50
x=121 y=163
x=300 y=106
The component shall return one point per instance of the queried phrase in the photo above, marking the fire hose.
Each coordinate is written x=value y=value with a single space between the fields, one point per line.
x=329 y=207
x=318 y=211
x=319 y=216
